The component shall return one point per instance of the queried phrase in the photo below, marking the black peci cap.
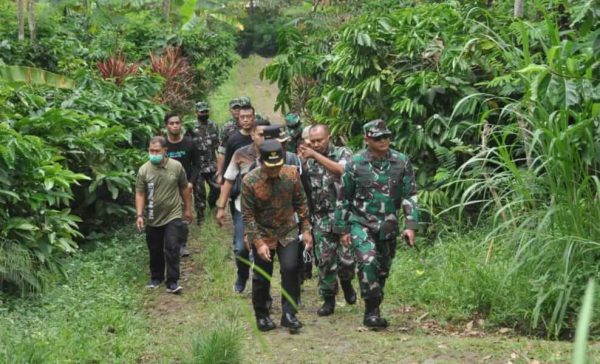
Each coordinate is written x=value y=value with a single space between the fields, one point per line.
x=271 y=153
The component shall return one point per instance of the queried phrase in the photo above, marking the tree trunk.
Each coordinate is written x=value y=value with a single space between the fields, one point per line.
x=31 y=17
x=519 y=8
x=20 y=20
x=166 y=8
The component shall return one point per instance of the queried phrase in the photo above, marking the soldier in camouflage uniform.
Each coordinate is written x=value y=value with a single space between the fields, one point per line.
x=376 y=183
x=205 y=135
x=272 y=196
x=294 y=127
x=325 y=165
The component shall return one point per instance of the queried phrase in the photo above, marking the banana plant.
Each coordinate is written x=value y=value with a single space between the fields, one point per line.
x=195 y=12
x=34 y=76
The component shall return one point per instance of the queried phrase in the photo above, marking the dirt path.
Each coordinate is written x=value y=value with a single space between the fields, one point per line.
x=209 y=303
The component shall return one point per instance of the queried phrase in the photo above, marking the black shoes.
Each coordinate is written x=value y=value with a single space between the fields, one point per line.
x=328 y=307
x=290 y=321
x=372 y=318
x=240 y=285
x=265 y=323
x=349 y=292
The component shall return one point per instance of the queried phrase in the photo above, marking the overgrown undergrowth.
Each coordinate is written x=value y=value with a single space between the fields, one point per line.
x=94 y=315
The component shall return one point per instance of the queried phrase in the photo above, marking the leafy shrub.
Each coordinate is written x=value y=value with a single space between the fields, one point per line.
x=176 y=71
x=35 y=191
x=211 y=54
x=116 y=67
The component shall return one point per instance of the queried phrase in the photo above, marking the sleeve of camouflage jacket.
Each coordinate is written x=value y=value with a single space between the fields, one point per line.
x=410 y=206
x=300 y=204
x=344 y=200
x=196 y=164
x=248 y=202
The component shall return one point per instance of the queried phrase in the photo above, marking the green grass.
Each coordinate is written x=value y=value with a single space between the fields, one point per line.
x=219 y=346
x=92 y=316
x=244 y=82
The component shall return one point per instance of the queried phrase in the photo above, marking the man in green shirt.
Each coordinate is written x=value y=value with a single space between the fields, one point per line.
x=161 y=187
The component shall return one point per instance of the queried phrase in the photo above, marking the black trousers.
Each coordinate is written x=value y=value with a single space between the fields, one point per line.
x=200 y=198
x=163 y=245
x=290 y=269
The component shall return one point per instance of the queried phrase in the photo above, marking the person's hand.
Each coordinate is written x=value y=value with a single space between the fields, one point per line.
x=306 y=152
x=308 y=240
x=220 y=216
x=247 y=243
x=139 y=222
x=188 y=215
x=409 y=236
x=264 y=252
x=345 y=239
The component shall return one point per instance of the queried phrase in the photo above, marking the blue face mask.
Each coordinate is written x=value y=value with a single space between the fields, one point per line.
x=155 y=158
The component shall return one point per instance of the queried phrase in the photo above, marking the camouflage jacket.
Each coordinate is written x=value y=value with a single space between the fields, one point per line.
x=227 y=129
x=269 y=204
x=372 y=192
x=325 y=187
x=206 y=140
x=295 y=136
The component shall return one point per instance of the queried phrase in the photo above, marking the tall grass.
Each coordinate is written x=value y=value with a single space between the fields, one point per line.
x=219 y=346
x=534 y=181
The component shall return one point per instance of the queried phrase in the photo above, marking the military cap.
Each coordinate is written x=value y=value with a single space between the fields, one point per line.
x=202 y=106
x=244 y=101
x=233 y=103
x=276 y=132
x=292 y=120
x=376 y=128
x=271 y=153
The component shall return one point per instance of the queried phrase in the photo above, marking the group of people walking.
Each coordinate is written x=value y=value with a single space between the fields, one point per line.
x=291 y=193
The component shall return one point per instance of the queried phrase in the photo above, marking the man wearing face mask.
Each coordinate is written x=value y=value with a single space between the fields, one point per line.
x=325 y=164
x=271 y=196
x=205 y=136
x=376 y=183
x=162 y=190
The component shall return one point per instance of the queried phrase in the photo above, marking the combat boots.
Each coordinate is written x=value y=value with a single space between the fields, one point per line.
x=349 y=292
x=372 y=316
x=328 y=306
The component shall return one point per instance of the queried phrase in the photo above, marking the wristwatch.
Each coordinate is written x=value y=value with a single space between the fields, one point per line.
x=138 y=216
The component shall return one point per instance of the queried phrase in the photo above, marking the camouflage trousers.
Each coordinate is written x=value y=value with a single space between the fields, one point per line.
x=200 y=197
x=373 y=259
x=333 y=261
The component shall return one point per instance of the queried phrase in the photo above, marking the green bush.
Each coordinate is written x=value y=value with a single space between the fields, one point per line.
x=211 y=53
x=35 y=191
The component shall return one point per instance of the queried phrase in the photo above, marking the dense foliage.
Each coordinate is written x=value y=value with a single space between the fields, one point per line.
x=501 y=117
x=75 y=121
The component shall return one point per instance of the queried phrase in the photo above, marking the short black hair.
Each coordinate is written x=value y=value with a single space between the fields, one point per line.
x=170 y=115
x=248 y=107
x=158 y=140
x=261 y=122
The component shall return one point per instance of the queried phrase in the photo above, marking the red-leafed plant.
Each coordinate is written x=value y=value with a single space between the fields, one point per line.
x=178 y=75
x=116 y=68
